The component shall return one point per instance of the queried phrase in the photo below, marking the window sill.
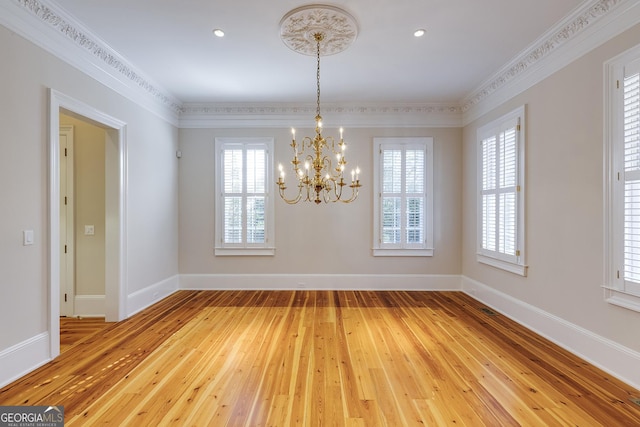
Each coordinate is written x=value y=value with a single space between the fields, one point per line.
x=503 y=265
x=402 y=252
x=245 y=251
x=622 y=299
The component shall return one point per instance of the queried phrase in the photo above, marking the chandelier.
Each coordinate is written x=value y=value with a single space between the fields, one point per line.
x=319 y=163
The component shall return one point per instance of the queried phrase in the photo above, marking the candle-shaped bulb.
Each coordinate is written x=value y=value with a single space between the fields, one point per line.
x=293 y=132
x=341 y=130
x=306 y=165
x=353 y=174
x=280 y=167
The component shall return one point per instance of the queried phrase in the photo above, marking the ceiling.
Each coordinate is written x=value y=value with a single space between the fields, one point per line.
x=172 y=44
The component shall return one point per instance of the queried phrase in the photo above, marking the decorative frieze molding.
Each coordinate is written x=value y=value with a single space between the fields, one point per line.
x=583 y=19
x=286 y=115
x=53 y=18
x=228 y=109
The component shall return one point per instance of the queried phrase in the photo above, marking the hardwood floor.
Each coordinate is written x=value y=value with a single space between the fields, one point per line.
x=74 y=330
x=343 y=358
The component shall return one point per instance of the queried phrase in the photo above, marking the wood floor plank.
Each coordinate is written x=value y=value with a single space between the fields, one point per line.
x=343 y=358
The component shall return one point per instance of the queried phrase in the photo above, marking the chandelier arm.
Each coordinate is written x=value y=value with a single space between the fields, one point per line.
x=282 y=188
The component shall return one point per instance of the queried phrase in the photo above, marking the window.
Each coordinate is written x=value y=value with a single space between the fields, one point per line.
x=403 y=211
x=622 y=190
x=500 y=193
x=244 y=206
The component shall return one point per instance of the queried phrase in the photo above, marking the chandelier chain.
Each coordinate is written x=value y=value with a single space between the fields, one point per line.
x=318 y=37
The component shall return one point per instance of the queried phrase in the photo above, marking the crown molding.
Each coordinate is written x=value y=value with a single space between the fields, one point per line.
x=287 y=115
x=51 y=28
x=587 y=27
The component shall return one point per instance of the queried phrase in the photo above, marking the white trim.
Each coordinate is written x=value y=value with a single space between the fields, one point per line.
x=503 y=265
x=402 y=252
x=22 y=358
x=392 y=282
x=116 y=249
x=150 y=295
x=270 y=251
x=89 y=305
x=616 y=359
x=623 y=299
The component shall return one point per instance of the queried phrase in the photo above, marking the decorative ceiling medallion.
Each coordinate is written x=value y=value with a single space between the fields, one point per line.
x=298 y=27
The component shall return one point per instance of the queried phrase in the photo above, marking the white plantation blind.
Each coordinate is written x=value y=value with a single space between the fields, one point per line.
x=631 y=137
x=403 y=182
x=500 y=215
x=403 y=210
x=499 y=192
x=243 y=210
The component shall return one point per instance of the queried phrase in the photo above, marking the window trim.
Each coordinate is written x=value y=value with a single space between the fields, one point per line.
x=517 y=263
x=614 y=287
x=244 y=249
x=427 y=248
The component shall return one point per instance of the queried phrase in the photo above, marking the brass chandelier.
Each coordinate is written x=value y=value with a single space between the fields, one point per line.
x=319 y=163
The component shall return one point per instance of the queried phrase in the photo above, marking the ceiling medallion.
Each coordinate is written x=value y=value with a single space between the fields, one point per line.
x=298 y=27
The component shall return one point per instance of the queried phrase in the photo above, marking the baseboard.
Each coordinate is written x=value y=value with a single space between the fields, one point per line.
x=421 y=282
x=143 y=298
x=89 y=305
x=611 y=357
x=22 y=358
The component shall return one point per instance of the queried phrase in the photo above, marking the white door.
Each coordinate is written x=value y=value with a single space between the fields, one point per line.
x=66 y=222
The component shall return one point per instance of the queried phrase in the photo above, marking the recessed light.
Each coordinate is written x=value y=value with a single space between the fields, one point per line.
x=218 y=32
x=419 y=33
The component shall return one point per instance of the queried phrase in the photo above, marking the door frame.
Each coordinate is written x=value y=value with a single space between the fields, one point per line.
x=67 y=262
x=116 y=209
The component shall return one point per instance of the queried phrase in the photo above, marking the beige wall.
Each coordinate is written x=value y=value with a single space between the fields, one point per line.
x=564 y=199
x=323 y=239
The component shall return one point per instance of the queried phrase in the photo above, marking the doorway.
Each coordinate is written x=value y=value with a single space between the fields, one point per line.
x=82 y=217
x=115 y=210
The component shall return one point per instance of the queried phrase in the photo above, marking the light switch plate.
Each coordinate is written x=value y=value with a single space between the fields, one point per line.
x=89 y=230
x=27 y=237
